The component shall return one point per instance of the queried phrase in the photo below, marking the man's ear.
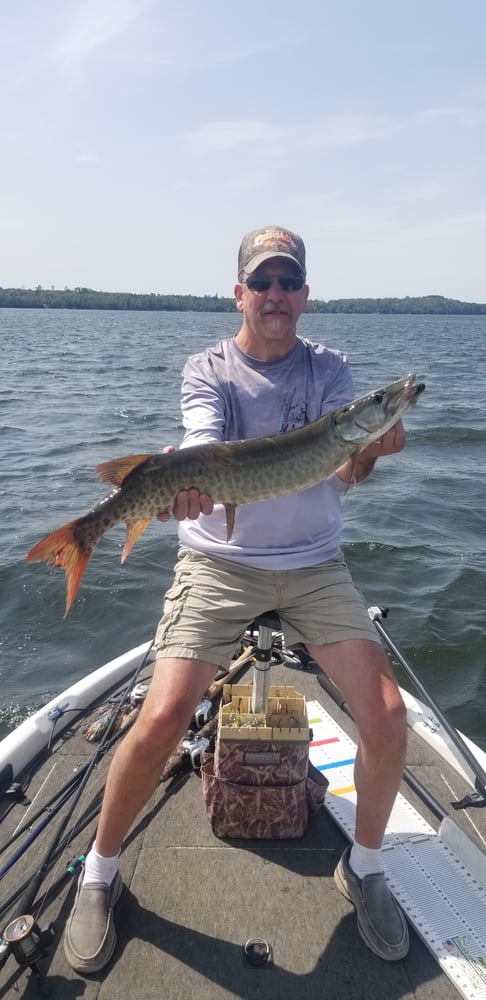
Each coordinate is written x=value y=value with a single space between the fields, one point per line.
x=239 y=297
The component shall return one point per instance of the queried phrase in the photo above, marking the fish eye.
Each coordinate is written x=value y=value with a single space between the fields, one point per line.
x=378 y=398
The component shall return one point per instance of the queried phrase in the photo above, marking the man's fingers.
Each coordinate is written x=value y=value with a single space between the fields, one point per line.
x=189 y=503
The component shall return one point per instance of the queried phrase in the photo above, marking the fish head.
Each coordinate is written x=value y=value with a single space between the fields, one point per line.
x=369 y=417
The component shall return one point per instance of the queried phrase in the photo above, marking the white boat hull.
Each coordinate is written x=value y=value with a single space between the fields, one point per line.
x=20 y=747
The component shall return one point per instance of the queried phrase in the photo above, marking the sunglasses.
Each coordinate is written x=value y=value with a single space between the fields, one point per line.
x=261 y=283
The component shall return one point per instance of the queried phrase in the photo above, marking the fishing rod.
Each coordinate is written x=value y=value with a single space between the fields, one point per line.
x=22 y=934
x=10 y=901
x=48 y=807
x=53 y=805
x=478 y=774
x=72 y=869
x=15 y=790
x=188 y=751
x=35 y=832
x=51 y=808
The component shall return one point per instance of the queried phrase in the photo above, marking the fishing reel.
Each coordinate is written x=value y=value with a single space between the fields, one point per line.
x=194 y=747
x=137 y=695
x=28 y=943
x=203 y=712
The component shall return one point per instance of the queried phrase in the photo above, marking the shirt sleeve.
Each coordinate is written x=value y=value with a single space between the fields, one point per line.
x=339 y=390
x=202 y=403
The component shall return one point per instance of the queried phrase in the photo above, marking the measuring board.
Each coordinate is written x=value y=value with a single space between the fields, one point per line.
x=442 y=898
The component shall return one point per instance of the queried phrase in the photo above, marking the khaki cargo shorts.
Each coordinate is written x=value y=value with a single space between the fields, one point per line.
x=212 y=601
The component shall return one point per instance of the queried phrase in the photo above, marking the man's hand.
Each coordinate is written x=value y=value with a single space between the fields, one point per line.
x=356 y=469
x=189 y=503
x=391 y=442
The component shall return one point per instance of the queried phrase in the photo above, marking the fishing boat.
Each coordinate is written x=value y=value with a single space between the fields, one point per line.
x=217 y=916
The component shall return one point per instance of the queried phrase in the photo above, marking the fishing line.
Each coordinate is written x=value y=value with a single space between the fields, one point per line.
x=36 y=796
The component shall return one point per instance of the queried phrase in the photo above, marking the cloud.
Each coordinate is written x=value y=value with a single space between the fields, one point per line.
x=335 y=131
x=88 y=26
x=265 y=137
x=95 y=24
x=224 y=136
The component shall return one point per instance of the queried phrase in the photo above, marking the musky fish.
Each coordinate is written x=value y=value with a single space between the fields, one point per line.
x=231 y=472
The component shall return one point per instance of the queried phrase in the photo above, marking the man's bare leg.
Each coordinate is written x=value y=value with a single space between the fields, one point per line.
x=360 y=670
x=177 y=687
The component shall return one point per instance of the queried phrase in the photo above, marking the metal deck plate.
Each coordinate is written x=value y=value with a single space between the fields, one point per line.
x=444 y=902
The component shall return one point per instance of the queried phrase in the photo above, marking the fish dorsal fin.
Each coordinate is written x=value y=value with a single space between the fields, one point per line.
x=117 y=469
x=134 y=530
x=230 y=509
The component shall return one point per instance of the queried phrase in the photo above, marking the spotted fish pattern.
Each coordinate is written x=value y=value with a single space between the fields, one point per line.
x=231 y=473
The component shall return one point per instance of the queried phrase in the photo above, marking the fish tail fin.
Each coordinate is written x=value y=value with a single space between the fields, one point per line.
x=61 y=548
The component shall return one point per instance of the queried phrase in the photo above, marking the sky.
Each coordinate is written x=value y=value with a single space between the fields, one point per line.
x=140 y=139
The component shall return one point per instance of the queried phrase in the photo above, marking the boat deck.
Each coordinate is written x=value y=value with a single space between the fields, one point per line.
x=191 y=901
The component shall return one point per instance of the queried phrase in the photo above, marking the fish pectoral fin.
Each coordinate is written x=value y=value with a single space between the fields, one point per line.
x=230 y=509
x=134 y=530
x=354 y=465
x=117 y=469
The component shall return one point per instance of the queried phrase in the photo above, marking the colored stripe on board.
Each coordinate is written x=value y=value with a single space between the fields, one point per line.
x=321 y=743
x=337 y=763
x=342 y=791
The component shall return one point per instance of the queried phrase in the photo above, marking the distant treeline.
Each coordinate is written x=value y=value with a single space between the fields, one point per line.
x=87 y=298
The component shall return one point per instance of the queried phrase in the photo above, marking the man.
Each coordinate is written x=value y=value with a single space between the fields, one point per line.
x=284 y=554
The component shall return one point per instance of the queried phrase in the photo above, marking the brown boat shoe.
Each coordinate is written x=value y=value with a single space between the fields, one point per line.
x=381 y=923
x=90 y=936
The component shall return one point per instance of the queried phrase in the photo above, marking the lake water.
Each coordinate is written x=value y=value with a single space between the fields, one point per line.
x=80 y=387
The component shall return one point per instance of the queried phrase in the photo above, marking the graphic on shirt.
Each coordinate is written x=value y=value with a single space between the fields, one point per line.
x=295 y=413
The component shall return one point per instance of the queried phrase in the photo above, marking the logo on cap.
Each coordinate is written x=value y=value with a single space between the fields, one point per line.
x=275 y=241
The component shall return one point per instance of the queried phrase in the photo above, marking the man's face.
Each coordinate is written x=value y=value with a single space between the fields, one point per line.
x=272 y=313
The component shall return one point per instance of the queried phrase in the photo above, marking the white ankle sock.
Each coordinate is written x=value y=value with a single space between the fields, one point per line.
x=99 y=869
x=365 y=860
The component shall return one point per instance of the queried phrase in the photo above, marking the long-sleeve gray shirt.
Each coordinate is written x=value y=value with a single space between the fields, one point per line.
x=227 y=395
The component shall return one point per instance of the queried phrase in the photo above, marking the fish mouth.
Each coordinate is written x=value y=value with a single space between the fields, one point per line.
x=406 y=394
x=415 y=390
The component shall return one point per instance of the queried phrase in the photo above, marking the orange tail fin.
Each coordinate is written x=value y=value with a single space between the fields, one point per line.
x=61 y=549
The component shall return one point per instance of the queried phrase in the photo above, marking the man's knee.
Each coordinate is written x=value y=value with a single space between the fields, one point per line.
x=160 y=727
x=385 y=725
